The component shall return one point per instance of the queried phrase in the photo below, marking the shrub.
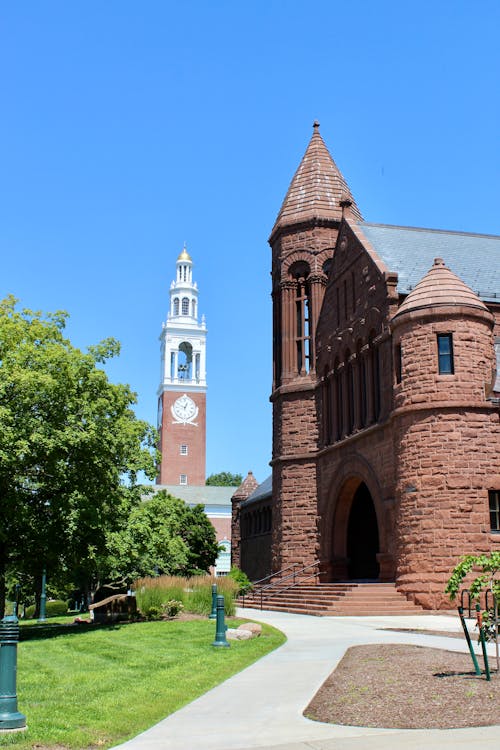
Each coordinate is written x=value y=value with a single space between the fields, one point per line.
x=153 y=613
x=55 y=608
x=172 y=608
x=241 y=578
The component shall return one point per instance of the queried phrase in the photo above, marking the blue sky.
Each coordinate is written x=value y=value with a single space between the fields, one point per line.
x=128 y=128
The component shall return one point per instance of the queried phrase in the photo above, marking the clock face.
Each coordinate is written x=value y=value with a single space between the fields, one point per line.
x=184 y=409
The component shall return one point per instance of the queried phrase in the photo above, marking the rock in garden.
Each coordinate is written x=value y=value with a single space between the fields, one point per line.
x=253 y=627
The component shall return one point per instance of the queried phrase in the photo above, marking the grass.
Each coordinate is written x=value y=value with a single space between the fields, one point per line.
x=103 y=687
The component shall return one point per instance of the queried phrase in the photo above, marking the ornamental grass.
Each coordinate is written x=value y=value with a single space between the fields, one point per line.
x=194 y=593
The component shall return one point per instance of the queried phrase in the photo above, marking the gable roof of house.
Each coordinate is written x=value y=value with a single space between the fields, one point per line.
x=410 y=252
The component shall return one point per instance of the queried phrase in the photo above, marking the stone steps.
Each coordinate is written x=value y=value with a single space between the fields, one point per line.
x=330 y=599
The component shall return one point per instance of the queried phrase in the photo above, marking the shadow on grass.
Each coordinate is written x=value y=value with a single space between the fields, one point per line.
x=44 y=631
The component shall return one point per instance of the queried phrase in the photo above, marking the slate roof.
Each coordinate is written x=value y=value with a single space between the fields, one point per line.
x=316 y=189
x=410 y=251
x=262 y=492
x=206 y=495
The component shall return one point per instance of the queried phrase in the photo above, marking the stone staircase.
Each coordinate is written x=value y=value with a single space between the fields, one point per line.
x=332 y=599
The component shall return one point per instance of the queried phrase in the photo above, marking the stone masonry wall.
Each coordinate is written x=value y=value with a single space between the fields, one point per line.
x=447 y=461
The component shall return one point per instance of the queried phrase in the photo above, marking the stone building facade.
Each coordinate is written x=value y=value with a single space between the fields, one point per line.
x=386 y=429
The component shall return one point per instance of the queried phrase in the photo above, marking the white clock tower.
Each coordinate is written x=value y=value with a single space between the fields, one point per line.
x=183 y=383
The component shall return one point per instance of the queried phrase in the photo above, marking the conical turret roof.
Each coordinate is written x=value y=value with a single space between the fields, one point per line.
x=248 y=485
x=318 y=188
x=440 y=287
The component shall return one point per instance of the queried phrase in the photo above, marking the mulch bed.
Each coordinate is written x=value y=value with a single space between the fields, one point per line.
x=407 y=687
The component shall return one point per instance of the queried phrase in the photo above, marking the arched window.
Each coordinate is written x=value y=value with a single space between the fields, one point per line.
x=300 y=273
x=375 y=376
x=326 y=404
x=193 y=308
x=350 y=393
x=339 y=401
x=185 y=361
x=362 y=400
x=185 y=306
x=176 y=306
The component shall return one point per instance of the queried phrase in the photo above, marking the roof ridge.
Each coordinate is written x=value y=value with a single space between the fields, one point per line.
x=428 y=229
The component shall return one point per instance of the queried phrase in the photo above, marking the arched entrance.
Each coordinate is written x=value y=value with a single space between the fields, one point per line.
x=362 y=536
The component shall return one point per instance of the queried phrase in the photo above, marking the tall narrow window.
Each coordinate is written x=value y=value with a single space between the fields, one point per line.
x=375 y=377
x=350 y=393
x=398 y=362
x=445 y=353
x=496 y=386
x=325 y=395
x=494 y=498
x=303 y=333
x=183 y=450
x=185 y=306
x=340 y=402
x=176 y=306
x=361 y=385
x=183 y=479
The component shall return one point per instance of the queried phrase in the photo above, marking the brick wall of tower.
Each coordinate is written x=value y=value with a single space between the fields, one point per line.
x=173 y=435
x=294 y=479
x=447 y=443
x=447 y=461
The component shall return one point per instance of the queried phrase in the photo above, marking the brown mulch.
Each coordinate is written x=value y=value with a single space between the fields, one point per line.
x=407 y=687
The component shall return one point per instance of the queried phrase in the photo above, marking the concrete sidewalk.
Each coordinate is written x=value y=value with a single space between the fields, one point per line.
x=262 y=706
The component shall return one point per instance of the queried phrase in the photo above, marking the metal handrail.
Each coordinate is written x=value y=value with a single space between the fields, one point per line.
x=272 y=575
x=292 y=585
x=276 y=584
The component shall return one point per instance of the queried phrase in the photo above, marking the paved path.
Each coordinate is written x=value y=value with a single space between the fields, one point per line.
x=261 y=707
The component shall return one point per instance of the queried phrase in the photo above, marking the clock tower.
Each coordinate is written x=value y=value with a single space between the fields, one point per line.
x=183 y=384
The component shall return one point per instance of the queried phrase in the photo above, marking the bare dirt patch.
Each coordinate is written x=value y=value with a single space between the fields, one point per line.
x=407 y=687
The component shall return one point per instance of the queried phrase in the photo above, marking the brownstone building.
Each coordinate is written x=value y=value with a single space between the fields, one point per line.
x=386 y=429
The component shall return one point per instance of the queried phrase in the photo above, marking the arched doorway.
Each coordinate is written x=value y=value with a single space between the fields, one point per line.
x=362 y=536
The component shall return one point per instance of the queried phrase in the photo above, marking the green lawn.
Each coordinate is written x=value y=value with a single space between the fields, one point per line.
x=99 y=688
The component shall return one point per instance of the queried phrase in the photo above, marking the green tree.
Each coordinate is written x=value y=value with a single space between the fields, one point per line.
x=489 y=565
x=224 y=479
x=71 y=447
x=163 y=535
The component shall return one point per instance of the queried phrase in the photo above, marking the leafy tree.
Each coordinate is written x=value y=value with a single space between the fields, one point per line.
x=489 y=565
x=224 y=479
x=163 y=536
x=70 y=447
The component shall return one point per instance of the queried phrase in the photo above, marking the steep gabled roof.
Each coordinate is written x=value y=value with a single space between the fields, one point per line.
x=410 y=251
x=317 y=188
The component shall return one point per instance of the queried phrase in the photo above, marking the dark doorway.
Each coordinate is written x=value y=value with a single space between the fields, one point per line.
x=362 y=536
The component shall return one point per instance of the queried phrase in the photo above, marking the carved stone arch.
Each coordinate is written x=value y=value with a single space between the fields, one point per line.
x=299 y=268
x=355 y=470
x=373 y=319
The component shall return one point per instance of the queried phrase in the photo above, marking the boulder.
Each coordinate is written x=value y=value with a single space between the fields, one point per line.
x=253 y=627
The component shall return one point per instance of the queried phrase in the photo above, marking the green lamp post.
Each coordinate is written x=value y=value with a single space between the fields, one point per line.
x=43 y=598
x=10 y=718
x=213 y=613
x=220 y=626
